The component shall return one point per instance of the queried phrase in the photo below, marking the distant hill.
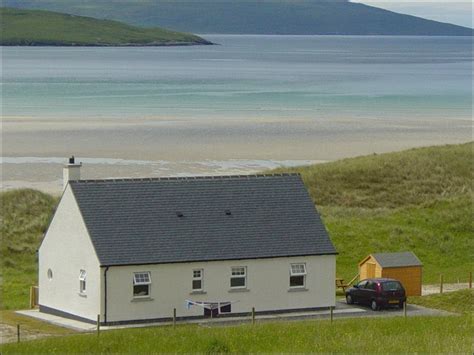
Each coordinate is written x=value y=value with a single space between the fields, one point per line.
x=36 y=28
x=323 y=17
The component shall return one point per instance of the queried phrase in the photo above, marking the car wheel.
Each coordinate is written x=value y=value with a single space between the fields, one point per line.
x=400 y=305
x=349 y=299
x=374 y=305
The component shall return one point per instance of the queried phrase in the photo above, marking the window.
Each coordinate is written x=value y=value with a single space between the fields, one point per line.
x=141 y=284
x=362 y=284
x=391 y=286
x=371 y=285
x=297 y=275
x=197 y=279
x=238 y=278
x=82 y=281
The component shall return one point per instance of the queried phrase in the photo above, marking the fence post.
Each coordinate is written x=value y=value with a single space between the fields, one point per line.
x=470 y=279
x=18 y=333
x=332 y=313
x=174 y=316
x=405 y=308
x=253 y=315
x=98 y=324
x=31 y=297
x=441 y=283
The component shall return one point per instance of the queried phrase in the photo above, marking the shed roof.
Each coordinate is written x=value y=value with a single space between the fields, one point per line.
x=407 y=258
x=165 y=220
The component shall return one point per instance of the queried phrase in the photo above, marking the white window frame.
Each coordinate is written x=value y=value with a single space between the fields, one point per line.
x=298 y=269
x=138 y=282
x=199 y=278
x=238 y=276
x=82 y=281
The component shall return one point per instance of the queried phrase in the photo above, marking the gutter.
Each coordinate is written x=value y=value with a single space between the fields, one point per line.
x=105 y=294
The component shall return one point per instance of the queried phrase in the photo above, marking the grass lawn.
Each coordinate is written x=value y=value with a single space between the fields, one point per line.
x=390 y=335
x=459 y=302
x=33 y=325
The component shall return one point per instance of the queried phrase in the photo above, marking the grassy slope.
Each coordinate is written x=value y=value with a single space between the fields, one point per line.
x=389 y=335
x=33 y=27
x=252 y=16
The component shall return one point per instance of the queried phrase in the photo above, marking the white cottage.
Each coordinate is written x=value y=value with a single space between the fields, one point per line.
x=133 y=250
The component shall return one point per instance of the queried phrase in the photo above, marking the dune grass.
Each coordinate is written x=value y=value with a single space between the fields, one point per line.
x=25 y=215
x=363 y=335
x=401 y=179
x=35 y=27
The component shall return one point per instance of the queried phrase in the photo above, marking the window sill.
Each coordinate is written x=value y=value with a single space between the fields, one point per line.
x=142 y=299
x=239 y=290
x=82 y=294
x=198 y=293
x=298 y=289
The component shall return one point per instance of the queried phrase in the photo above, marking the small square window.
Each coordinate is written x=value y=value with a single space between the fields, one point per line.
x=197 y=280
x=238 y=278
x=141 y=284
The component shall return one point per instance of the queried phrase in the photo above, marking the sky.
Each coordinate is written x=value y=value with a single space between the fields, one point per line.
x=455 y=11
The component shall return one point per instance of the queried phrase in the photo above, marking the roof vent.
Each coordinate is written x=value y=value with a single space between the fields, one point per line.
x=228 y=213
x=179 y=214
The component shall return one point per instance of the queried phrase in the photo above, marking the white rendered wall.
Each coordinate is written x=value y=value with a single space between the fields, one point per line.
x=267 y=287
x=66 y=249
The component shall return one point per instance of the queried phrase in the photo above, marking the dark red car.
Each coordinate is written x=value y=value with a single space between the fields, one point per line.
x=378 y=293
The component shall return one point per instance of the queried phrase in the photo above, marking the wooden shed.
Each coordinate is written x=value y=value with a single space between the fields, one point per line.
x=404 y=266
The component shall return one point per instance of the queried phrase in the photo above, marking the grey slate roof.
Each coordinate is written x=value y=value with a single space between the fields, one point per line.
x=397 y=259
x=135 y=221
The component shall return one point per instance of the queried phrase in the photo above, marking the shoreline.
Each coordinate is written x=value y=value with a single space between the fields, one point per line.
x=45 y=173
x=152 y=44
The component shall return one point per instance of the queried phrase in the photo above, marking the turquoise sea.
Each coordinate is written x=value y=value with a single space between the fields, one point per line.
x=245 y=76
x=248 y=104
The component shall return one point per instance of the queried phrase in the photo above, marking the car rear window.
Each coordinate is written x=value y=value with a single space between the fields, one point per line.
x=391 y=286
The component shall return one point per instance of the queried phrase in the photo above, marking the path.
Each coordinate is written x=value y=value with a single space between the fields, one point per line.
x=433 y=289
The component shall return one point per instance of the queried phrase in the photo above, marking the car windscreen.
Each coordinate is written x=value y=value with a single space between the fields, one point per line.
x=391 y=286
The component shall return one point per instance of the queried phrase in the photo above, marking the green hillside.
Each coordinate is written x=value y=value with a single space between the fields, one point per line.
x=297 y=17
x=419 y=200
x=41 y=28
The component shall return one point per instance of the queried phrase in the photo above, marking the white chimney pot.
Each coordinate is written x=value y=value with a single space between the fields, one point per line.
x=71 y=171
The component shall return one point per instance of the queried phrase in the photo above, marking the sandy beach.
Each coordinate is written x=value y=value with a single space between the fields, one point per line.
x=34 y=149
x=251 y=104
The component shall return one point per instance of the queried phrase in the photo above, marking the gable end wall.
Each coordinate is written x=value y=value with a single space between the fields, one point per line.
x=66 y=249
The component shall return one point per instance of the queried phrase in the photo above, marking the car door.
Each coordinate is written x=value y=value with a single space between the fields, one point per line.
x=358 y=295
x=370 y=292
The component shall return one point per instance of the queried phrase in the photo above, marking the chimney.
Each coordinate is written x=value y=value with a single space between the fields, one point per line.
x=71 y=171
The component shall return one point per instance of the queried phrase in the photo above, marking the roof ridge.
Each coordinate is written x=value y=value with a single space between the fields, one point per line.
x=186 y=178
